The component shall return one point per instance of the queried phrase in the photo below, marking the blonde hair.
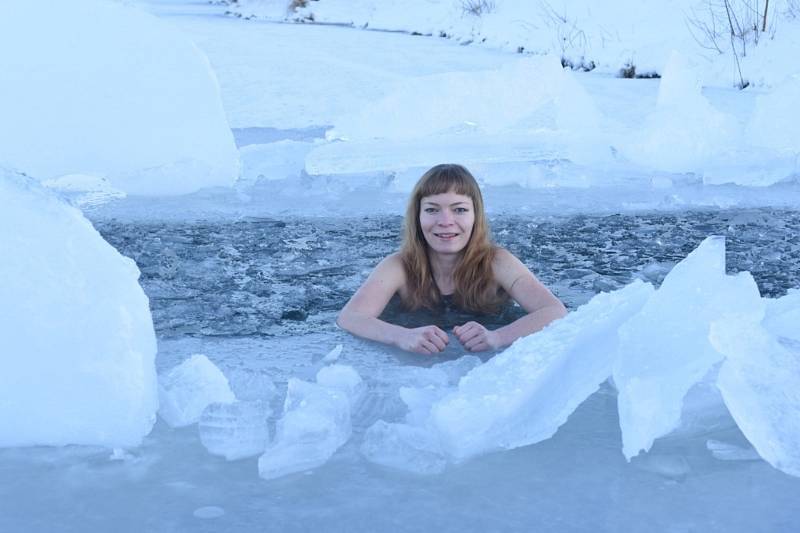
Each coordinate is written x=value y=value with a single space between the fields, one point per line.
x=475 y=289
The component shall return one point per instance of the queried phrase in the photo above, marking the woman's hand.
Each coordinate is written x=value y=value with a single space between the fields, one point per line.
x=427 y=340
x=476 y=338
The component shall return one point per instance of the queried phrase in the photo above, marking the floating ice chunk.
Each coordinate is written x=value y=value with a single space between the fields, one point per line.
x=524 y=394
x=726 y=451
x=343 y=378
x=78 y=346
x=759 y=383
x=108 y=100
x=404 y=447
x=189 y=388
x=333 y=355
x=235 y=430
x=316 y=422
x=251 y=384
x=664 y=349
x=783 y=315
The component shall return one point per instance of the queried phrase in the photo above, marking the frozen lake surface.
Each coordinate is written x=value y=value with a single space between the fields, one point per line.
x=258 y=296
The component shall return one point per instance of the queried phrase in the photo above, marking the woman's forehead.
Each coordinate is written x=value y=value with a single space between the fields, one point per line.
x=446 y=198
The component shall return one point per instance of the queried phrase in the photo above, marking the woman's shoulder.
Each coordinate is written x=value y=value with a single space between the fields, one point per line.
x=392 y=267
x=506 y=267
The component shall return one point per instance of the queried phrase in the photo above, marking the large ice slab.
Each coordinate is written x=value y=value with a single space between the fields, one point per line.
x=664 y=349
x=524 y=394
x=113 y=92
x=78 y=346
x=187 y=389
x=760 y=383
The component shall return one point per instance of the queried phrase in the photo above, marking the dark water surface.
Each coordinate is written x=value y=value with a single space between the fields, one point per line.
x=281 y=276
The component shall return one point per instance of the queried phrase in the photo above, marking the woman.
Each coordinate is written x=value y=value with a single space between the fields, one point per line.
x=447 y=254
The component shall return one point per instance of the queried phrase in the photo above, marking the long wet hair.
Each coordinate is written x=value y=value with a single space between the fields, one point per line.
x=475 y=289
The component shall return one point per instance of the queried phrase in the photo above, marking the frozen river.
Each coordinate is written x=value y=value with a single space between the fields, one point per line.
x=259 y=296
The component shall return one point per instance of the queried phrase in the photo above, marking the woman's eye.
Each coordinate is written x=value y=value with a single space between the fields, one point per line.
x=461 y=210
x=430 y=209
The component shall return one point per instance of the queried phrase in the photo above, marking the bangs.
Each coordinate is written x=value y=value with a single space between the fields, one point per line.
x=448 y=178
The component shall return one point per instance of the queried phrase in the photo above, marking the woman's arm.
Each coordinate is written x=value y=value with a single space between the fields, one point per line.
x=360 y=315
x=520 y=283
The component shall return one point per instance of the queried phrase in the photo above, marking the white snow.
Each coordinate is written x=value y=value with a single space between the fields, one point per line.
x=187 y=389
x=111 y=91
x=664 y=349
x=78 y=345
x=684 y=131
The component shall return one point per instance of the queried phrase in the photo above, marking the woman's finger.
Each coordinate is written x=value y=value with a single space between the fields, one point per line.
x=430 y=346
x=439 y=343
x=442 y=335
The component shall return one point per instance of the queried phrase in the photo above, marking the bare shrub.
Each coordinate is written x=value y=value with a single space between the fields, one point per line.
x=477 y=7
x=731 y=26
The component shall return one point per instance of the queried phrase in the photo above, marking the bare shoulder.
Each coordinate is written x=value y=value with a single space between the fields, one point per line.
x=391 y=266
x=507 y=268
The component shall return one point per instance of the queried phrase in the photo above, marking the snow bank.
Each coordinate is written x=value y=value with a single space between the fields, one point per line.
x=78 y=352
x=530 y=110
x=684 y=132
x=187 y=389
x=774 y=124
x=112 y=92
x=664 y=349
x=529 y=94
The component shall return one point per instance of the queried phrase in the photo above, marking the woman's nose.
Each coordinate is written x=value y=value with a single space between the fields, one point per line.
x=445 y=218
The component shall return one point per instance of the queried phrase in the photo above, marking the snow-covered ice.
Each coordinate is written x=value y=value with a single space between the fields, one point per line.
x=78 y=346
x=187 y=389
x=114 y=92
x=664 y=349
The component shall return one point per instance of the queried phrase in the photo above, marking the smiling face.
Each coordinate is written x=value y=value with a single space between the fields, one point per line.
x=446 y=221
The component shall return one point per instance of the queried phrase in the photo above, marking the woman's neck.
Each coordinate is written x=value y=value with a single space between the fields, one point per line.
x=443 y=267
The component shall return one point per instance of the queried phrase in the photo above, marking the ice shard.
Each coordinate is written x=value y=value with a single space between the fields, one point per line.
x=524 y=394
x=664 y=350
x=760 y=383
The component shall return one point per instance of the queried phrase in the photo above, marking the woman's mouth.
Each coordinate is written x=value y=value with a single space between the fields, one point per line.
x=446 y=236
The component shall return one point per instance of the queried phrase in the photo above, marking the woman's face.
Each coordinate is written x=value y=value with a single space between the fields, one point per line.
x=446 y=220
